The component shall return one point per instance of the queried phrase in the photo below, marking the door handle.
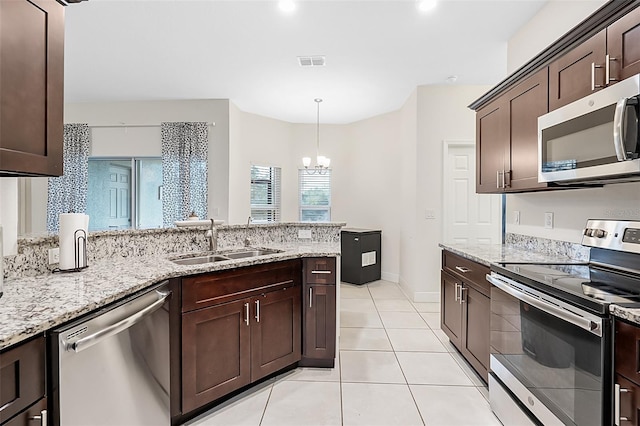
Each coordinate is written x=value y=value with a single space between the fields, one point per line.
x=462 y=269
x=246 y=311
x=462 y=289
x=311 y=297
x=257 y=311
x=607 y=70
x=617 y=418
x=320 y=272
x=594 y=86
x=455 y=293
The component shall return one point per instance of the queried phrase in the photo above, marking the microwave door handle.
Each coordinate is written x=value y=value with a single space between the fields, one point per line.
x=618 y=137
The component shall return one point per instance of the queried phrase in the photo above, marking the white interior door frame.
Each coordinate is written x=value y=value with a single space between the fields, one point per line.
x=446 y=213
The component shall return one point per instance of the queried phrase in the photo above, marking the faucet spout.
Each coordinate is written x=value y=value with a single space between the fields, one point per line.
x=247 y=241
x=213 y=236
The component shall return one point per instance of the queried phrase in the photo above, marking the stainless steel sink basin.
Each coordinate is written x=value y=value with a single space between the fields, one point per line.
x=251 y=253
x=198 y=260
x=211 y=258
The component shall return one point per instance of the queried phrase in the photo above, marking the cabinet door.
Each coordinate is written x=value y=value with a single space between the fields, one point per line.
x=627 y=350
x=215 y=352
x=319 y=326
x=30 y=417
x=623 y=46
x=527 y=101
x=451 y=309
x=570 y=76
x=491 y=143
x=22 y=374
x=275 y=331
x=31 y=87
x=476 y=314
x=629 y=402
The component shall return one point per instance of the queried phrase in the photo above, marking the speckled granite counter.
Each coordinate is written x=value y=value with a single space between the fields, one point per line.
x=32 y=305
x=490 y=253
x=631 y=314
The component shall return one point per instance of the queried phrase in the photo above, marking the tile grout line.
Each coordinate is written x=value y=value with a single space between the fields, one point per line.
x=264 y=411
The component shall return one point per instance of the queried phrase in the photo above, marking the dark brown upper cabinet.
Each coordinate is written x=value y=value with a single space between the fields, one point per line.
x=507 y=138
x=623 y=47
x=31 y=87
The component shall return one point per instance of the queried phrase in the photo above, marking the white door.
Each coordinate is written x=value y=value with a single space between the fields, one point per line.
x=468 y=218
x=119 y=195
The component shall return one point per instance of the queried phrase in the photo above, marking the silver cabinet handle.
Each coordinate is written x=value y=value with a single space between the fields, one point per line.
x=246 y=311
x=618 y=137
x=607 y=68
x=257 y=311
x=497 y=179
x=311 y=297
x=119 y=326
x=455 y=293
x=42 y=417
x=320 y=272
x=616 y=417
x=462 y=289
x=463 y=269
x=563 y=314
x=594 y=86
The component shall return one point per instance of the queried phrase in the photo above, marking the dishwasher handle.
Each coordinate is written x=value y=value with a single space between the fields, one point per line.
x=117 y=327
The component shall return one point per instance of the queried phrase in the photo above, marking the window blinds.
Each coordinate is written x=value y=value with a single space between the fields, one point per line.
x=315 y=195
x=265 y=194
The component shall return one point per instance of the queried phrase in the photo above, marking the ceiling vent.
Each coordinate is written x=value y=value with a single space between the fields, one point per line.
x=311 y=61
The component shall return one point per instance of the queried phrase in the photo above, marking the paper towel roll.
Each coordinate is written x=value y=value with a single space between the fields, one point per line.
x=69 y=224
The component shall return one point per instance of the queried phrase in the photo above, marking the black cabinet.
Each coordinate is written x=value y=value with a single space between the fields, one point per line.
x=361 y=255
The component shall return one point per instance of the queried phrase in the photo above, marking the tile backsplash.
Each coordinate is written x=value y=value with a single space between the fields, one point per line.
x=33 y=252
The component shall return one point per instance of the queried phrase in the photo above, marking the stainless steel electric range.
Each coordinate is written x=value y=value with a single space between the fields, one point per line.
x=551 y=331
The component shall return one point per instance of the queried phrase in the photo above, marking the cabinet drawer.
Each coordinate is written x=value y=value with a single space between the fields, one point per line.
x=320 y=270
x=627 y=351
x=219 y=287
x=30 y=417
x=22 y=374
x=467 y=270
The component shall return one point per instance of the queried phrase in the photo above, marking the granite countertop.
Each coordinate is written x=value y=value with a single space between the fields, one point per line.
x=629 y=313
x=491 y=253
x=32 y=305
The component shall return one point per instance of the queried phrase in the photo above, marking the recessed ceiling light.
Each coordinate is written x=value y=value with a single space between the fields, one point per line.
x=426 y=5
x=287 y=6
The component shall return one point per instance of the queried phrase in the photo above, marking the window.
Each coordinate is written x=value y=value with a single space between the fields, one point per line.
x=124 y=193
x=265 y=194
x=315 y=196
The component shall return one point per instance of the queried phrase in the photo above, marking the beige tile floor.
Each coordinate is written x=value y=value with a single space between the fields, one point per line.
x=395 y=367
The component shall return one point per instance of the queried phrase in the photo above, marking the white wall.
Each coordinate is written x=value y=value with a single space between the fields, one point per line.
x=572 y=207
x=9 y=214
x=554 y=20
x=442 y=114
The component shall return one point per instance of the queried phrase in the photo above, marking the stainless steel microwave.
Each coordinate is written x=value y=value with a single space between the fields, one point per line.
x=593 y=140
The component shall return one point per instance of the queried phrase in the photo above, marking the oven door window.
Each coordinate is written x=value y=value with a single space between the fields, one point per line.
x=560 y=363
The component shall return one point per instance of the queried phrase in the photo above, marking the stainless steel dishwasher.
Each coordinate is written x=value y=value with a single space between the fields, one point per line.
x=112 y=366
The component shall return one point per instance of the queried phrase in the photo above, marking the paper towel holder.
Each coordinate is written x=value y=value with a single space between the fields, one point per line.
x=79 y=242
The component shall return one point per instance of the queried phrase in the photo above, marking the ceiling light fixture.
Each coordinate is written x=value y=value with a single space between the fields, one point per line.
x=287 y=6
x=426 y=5
x=322 y=162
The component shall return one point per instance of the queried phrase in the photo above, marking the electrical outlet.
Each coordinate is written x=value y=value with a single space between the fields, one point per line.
x=516 y=217
x=304 y=234
x=430 y=214
x=54 y=255
x=548 y=220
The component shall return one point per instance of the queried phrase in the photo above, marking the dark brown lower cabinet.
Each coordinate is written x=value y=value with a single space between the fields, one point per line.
x=629 y=394
x=22 y=378
x=275 y=331
x=465 y=309
x=627 y=372
x=319 y=326
x=32 y=416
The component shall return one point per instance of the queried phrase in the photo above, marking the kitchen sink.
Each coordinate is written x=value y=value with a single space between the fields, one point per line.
x=251 y=253
x=198 y=260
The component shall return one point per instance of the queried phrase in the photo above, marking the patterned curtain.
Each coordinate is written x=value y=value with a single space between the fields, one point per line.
x=68 y=193
x=184 y=170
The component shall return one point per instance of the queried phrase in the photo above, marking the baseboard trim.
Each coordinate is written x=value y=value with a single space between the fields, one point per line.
x=388 y=276
x=426 y=296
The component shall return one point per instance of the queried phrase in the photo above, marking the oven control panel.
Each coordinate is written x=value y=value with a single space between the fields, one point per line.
x=631 y=235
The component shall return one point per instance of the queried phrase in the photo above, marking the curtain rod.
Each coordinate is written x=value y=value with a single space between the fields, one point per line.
x=103 y=126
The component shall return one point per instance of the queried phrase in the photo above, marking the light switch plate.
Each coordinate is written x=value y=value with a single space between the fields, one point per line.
x=516 y=217
x=548 y=220
x=430 y=214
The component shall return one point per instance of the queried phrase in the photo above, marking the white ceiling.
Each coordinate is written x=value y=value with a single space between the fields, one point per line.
x=376 y=52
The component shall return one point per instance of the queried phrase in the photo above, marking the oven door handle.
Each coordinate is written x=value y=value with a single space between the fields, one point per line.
x=563 y=314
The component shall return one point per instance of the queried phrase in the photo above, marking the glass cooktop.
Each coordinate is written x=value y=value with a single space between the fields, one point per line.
x=585 y=285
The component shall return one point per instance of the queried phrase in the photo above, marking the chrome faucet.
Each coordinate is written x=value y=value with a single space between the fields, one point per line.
x=247 y=241
x=212 y=234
